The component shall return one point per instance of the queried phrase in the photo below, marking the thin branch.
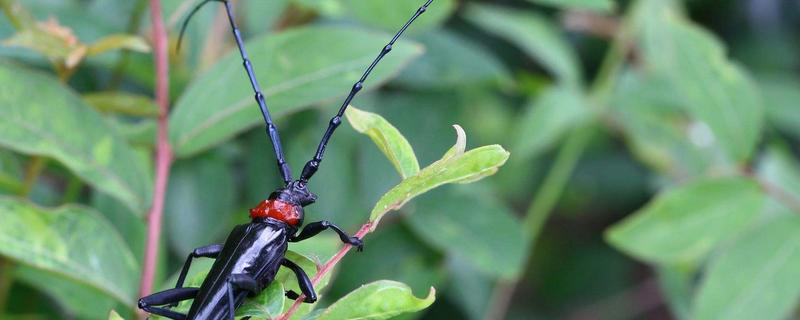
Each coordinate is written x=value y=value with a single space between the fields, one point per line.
x=541 y=207
x=365 y=229
x=163 y=150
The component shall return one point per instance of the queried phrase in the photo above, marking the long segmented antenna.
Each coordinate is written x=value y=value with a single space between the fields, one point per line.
x=272 y=130
x=312 y=165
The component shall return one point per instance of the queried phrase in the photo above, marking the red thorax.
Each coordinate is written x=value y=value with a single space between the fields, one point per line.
x=278 y=210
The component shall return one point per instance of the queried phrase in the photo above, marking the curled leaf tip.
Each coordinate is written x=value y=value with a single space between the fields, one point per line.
x=461 y=140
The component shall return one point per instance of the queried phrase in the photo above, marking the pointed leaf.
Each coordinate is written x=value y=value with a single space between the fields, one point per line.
x=40 y=116
x=601 y=6
x=296 y=68
x=122 y=103
x=457 y=166
x=534 y=34
x=378 y=300
x=452 y=60
x=388 y=139
x=73 y=242
x=713 y=89
x=113 y=315
x=118 y=41
x=756 y=278
x=682 y=225
x=391 y=15
x=556 y=111
x=451 y=219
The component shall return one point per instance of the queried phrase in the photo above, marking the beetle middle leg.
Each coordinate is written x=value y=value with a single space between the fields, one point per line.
x=314 y=228
x=209 y=251
x=168 y=297
x=302 y=280
x=244 y=282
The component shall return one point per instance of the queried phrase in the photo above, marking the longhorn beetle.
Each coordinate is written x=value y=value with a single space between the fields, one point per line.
x=250 y=257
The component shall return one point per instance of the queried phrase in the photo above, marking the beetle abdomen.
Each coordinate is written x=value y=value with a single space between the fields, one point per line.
x=255 y=249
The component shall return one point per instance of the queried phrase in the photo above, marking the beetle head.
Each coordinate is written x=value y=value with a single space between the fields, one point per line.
x=295 y=192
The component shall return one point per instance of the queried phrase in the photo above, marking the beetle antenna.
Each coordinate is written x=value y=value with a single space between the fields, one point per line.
x=272 y=130
x=312 y=165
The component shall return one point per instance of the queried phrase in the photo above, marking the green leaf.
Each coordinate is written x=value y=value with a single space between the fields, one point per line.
x=118 y=41
x=42 y=117
x=70 y=295
x=601 y=6
x=390 y=141
x=554 y=113
x=456 y=166
x=779 y=170
x=113 y=315
x=534 y=34
x=451 y=60
x=713 y=89
x=268 y=304
x=758 y=277
x=449 y=221
x=73 y=242
x=377 y=300
x=659 y=133
x=676 y=287
x=200 y=195
x=122 y=103
x=682 y=225
x=297 y=68
x=52 y=40
x=391 y=15
x=781 y=94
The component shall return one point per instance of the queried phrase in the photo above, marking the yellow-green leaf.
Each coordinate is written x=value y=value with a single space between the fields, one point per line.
x=381 y=299
x=72 y=242
x=682 y=225
x=118 y=41
x=41 y=116
x=113 y=315
x=388 y=139
x=123 y=103
x=456 y=166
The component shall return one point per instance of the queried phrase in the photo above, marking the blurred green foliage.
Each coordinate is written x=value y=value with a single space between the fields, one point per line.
x=654 y=165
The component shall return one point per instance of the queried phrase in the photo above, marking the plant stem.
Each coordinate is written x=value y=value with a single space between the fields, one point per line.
x=35 y=168
x=541 y=207
x=365 y=229
x=567 y=158
x=550 y=191
x=6 y=280
x=163 y=150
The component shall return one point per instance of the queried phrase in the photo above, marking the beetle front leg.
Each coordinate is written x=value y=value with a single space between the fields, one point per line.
x=314 y=228
x=302 y=280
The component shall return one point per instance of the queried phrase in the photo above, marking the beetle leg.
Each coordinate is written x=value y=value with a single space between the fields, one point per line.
x=314 y=228
x=302 y=280
x=245 y=282
x=209 y=251
x=171 y=296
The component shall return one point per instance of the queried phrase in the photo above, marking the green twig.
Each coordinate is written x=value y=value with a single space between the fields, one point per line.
x=35 y=168
x=552 y=188
x=6 y=280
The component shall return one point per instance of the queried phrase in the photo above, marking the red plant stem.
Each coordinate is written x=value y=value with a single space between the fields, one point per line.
x=163 y=150
x=365 y=229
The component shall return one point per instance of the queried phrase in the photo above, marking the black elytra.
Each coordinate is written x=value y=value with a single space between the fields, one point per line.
x=253 y=252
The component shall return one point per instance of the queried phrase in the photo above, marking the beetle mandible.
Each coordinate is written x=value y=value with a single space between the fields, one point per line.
x=253 y=252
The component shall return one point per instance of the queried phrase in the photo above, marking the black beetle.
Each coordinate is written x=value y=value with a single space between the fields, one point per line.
x=252 y=254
